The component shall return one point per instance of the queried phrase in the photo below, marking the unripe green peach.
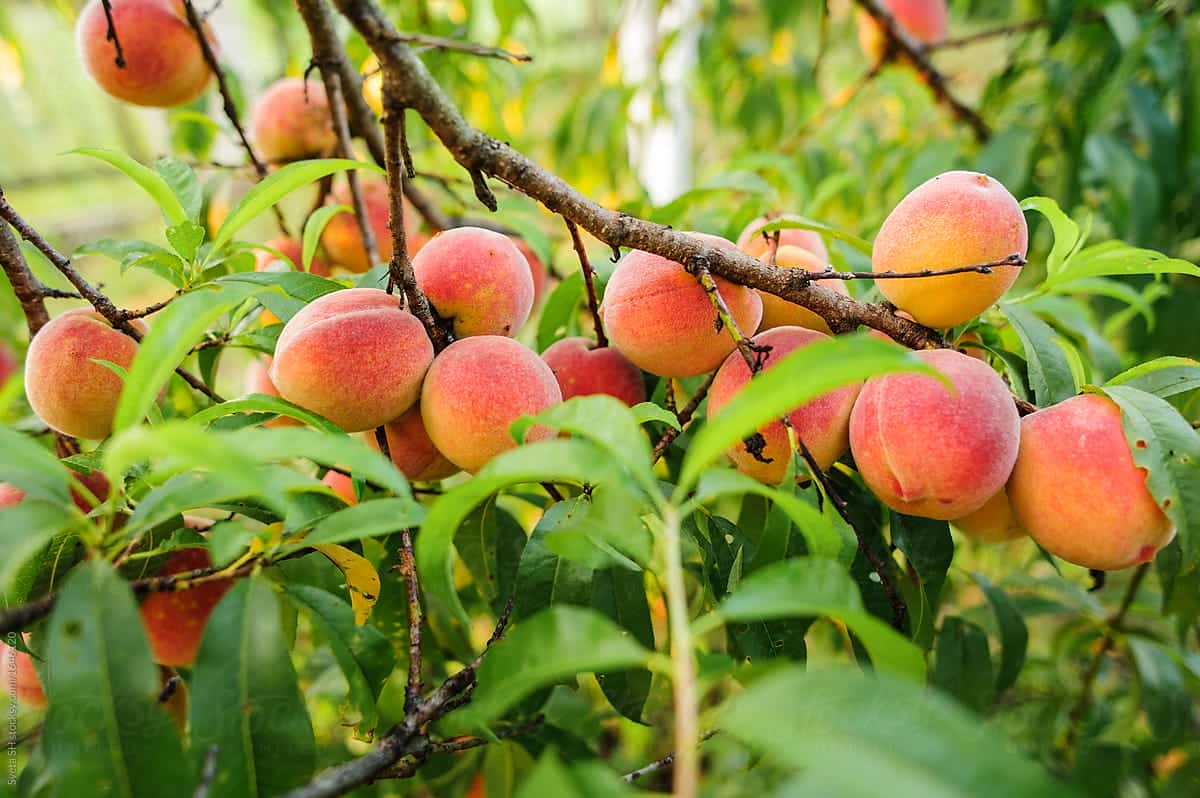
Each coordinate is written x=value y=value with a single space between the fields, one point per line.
x=164 y=65
x=476 y=388
x=478 y=279
x=928 y=450
x=923 y=20
x=823 y=423
x=291 y=121
x=758 y=245
x=660 y=317
x=1078 y=492
x=67 y=390
x=994 y=522
x=354 y=356
x=583 y=369
x=954 y=219
x=175 y=620
x=411 y=449
x=778 y=312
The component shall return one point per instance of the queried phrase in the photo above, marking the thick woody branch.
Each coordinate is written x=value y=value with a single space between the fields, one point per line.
x=683 y=416
x=589 y=280
x=478 y=152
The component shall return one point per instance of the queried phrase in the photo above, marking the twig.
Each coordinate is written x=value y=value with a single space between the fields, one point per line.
x=1107 y=641
x=460 y=46
x=24 y=284
x=110 y=35
x=1014 y=259
x=1006 y=30
x=554 y=492
x=684 y=416
x=169 y=689
x=409 y=767
x=141 y=313
x=208 y=772
x=589 y=280
x=663 y=763
x=408 y=568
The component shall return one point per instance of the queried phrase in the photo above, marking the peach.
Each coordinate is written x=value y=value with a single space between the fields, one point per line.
x=8 y=363
x=411 y=449
x=478 y=279
x=354 y=356
x=68 y=391
x=994 y=522
x=96 y=483
x=28 y=685
x=293 y=251
x=954 y=219
x=537 y=269
x=1078 y=492
x=342 y=485
x=10 y=495
x=342 y=238
x=291 y=121
x=932 y=451
x=258 y=380
x=660 y=317
x=923 y=20
x=584 y=369
x=823 y=423
x=758 y=245
x=164 y=65
x=778 y=312
x=175 y=620
x=476 y=388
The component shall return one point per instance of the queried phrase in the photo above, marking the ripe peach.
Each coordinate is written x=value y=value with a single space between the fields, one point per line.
x=923 y=20
x=291 y=121
x=175 y=620
x=476 y=388
x=954 y=219
x=343 y=240
x=411 y=449
x=660 y=317
x=537 y=269
x=65 y=388
x=477 y=278
x=927 y=450
x=28 y=685
x=258 y=380
x=342 y=485
x=823 y=424
x=778 y=312
x=291 y=249
x=354 y=356
x=994 y=522
x=8 y=363
x=583 y=369
x=1078 y=492
x=758 y=245
x=10 y=495
x=164 y=64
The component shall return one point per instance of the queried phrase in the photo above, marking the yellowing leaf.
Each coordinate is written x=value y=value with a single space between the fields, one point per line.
x=362 y=580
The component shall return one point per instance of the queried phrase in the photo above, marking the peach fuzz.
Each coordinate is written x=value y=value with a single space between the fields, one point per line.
x=994 y=522
x=175 y=620
x=1078 y=492
x=68 y=391
x=923 y=20
x=934 y=451
x=291 y=121
x=476 y=278
x=342 y=238
x=823 y=424
x=411 y=449
x=164 y=65
x=354 y=356
x=954 y=219
x=758 y=245
x=778 y=312
x=28 y=686
x=584 y=369
x=660 y=317
x=293 y=251
x=476 y=388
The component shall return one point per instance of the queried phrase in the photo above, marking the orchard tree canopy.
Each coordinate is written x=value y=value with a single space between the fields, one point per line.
x=527 y=398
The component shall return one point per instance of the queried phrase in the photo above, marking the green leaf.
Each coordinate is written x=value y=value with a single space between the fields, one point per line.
x=490 y=542
x=543 y=578
x=1165 y=696
x=105 y=733
x=151 y=181
x=964 y=664
x=648 y=411
x=555 y=644
x=621 y=595
x=245 y=698
x=1014 y=636
x=183 y=183
x=1163 y=376
x=928 y=549
x=185 y=238
x=264 y=403
x=352 y=454
x=589 y=779
x=278 y=185
x=1050 y=374
x=800 y=223
x=1165 y=445
x=301 y=285
x=610 y=424
x=31 y=467
x=799 y=377
x=1118 y=258
x=366 y=520
x=559 y=311
x=850 y=732
x=177 y=327
x=25 y=529
x=817 y=586
x=1067 y=238
x=364 y=655
x=313 y=228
